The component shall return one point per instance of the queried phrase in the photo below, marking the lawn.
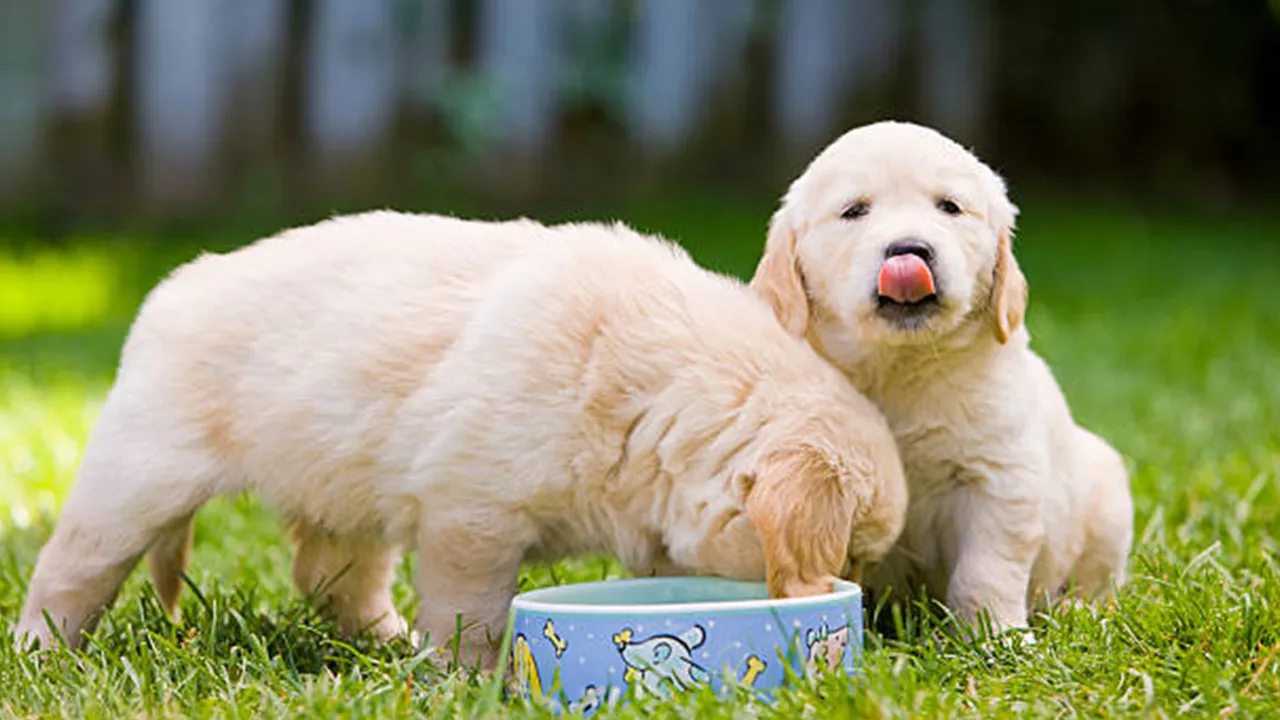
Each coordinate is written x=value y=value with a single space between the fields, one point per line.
x=1163 y=329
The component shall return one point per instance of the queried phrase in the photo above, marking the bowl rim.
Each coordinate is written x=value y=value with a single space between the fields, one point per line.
x=536 y=601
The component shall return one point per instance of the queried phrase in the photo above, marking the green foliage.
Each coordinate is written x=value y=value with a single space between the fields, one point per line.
x=1161 y=329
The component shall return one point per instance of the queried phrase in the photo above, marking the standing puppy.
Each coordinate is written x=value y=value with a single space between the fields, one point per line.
x=892 y=254
x=487 y=393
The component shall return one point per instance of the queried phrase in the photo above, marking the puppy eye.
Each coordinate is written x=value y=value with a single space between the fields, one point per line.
x=949 y=206
x=856 y=210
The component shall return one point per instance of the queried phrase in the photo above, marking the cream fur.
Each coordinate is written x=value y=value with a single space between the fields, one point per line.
x=1011 y=502
x=486 y=393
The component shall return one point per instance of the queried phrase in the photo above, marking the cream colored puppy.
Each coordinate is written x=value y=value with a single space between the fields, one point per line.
x=487 y=393
x=892 y=254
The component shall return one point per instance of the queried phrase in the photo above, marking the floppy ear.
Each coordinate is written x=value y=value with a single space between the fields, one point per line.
x=662 y=651
x=1008 y=290
x=778 y=279
x=803 y=514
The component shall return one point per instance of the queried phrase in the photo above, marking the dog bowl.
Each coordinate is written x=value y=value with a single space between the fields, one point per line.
x=583 y=646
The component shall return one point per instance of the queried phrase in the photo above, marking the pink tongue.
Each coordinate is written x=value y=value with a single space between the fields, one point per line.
x=905 y=279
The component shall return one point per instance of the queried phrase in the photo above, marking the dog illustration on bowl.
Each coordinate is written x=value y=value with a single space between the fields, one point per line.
x=825 y=649
x=663 y=664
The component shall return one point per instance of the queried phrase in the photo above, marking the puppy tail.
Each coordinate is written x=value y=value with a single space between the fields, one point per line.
x=168 y=559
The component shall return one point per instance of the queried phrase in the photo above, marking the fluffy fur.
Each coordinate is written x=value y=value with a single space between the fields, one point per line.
x=1011 y=501
x=486 y=393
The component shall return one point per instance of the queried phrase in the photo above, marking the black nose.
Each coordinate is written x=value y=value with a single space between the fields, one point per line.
x=910 y=246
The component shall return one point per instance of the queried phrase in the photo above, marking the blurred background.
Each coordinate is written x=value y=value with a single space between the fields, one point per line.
x=116 y=109
x=1141 y=139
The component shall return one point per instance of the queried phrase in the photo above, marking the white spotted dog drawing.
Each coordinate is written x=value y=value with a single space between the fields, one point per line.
x=664 y=664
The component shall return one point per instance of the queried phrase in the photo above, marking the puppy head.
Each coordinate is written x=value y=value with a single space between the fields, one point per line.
x=898 y=233
x=821 y=513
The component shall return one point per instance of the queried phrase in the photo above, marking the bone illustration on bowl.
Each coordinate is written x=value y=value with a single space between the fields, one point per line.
x=557 y=642
x=755 y=666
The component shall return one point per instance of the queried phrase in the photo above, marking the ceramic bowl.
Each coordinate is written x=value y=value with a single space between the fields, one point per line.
x=582 y=646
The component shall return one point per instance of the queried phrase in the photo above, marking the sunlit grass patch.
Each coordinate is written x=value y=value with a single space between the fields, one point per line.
x=43 y=430
x=60 y=290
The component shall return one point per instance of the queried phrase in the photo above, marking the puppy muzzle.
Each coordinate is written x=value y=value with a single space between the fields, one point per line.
x=906 y=289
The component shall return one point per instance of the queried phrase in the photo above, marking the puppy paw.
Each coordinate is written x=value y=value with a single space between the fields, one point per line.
x=26 y=641
x=34 y=635
x=798 y=588
x=1011 y=640
x=391 y=627
x=384 y=628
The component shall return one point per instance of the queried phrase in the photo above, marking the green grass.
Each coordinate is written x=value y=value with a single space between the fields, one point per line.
x=1163 y=330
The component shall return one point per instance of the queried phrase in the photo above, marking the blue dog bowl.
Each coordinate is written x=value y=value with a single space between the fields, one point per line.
x=587 y=645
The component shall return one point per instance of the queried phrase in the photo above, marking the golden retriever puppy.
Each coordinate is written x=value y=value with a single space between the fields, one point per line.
x=485 y=393
x=892 y=255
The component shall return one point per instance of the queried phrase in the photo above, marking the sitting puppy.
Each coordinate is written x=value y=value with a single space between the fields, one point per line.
x=892 y=255
x=487 y=393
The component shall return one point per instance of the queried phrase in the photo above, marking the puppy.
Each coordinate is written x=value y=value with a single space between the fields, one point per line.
x=892 y=255
x=487 y=393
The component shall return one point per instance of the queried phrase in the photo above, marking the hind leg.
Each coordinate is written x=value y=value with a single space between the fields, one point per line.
x=127 y=496
x=1102 y=567
x=168 y=558
x=351 y=575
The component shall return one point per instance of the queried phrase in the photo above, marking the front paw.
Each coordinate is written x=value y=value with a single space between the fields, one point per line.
x=798 y=588
x=391 y=627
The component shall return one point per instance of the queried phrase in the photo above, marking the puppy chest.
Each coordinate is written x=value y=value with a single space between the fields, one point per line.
x=931 y=455
x=584 y=532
